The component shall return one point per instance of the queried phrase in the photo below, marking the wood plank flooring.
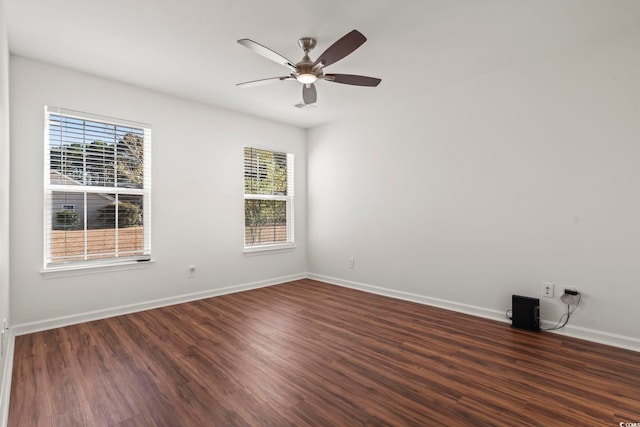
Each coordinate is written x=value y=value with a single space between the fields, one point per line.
x=307 y=353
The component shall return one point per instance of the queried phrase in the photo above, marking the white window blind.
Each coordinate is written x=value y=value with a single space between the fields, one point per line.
x=268 y=198
x=97 y=189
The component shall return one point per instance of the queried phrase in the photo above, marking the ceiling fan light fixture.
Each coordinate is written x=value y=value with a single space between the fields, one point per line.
x=306 y=78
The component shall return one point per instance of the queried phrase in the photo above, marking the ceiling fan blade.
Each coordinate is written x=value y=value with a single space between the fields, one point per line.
x=267 y=53
x=261 y=82
x=309 y=94
x=352 y=79
x=341 y=48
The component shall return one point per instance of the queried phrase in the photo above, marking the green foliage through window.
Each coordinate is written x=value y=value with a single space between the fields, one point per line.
x=129 y=215
x=96 y=154
x=265 y=172
x=66 y=219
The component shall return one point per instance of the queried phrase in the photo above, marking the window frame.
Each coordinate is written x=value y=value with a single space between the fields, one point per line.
x=50 y=188
x=288 y=198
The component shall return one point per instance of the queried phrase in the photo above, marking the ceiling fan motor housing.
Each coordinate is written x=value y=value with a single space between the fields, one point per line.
x=305 y=71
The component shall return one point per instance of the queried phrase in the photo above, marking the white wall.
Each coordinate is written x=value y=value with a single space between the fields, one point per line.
x=4 y=199
x=466 y=195
x=197 y=200
x=488 y=188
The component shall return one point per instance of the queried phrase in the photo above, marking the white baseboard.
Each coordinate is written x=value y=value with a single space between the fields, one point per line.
x=422 y=299
x=601 y=337
x=5 y=387
x=58 y=322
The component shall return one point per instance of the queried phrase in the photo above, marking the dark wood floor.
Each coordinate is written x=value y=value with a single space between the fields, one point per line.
x=309 y=353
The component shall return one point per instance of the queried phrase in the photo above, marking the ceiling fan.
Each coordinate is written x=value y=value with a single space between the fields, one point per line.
x=308 y=71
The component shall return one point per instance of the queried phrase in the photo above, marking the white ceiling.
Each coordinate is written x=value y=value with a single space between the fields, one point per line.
x=188 y=48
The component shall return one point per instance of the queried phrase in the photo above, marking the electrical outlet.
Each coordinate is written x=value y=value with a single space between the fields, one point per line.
x=351 y=262
x=547 y=289
x=192 y=271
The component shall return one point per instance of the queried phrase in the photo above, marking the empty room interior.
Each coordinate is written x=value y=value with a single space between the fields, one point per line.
x=232 y=213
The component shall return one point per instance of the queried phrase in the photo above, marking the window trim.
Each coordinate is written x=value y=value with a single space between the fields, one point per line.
x=288 y=198
x=95 y=268
x=49 y=189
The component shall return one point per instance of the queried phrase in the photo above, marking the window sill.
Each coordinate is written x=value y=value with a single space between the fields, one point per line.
x=94 y=268
x=268 y=249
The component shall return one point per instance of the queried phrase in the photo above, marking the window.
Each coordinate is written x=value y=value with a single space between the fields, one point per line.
x=268 y=199
x=97 y=189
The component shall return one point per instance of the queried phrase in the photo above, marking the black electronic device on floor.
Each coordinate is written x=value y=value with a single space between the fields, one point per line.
x=525 y=313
